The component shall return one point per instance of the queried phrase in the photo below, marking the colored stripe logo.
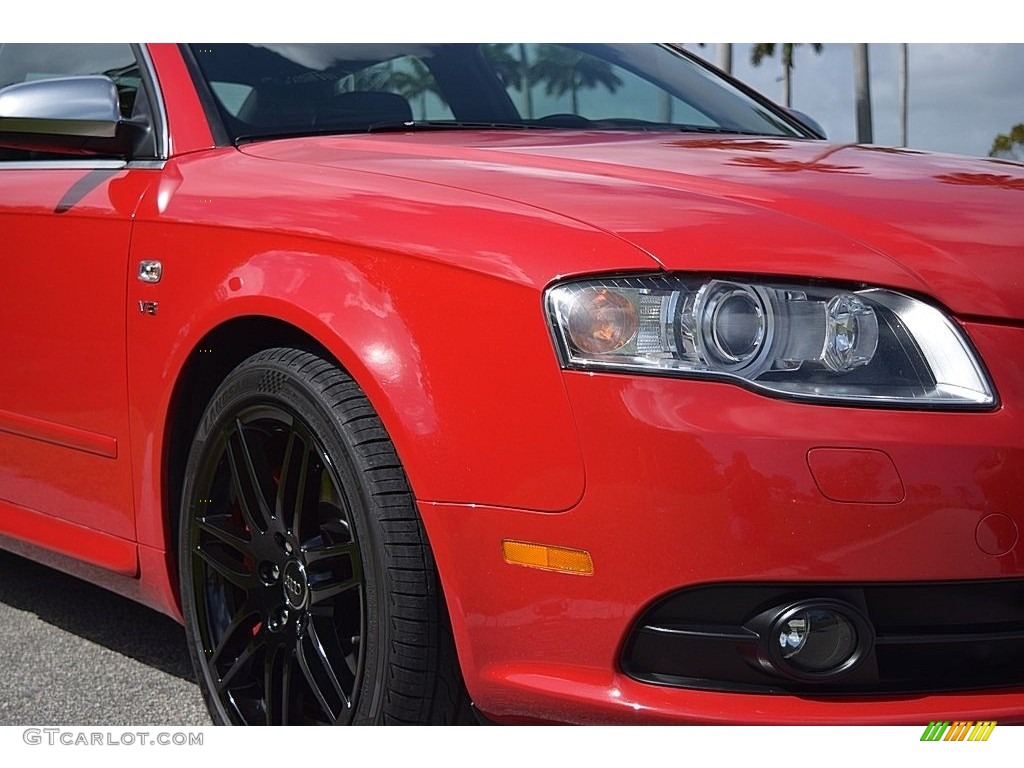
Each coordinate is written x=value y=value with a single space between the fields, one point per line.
x=958 y=731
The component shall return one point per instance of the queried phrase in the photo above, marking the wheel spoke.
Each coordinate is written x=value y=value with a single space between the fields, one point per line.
x=277 y=681
x=287 y=671
x=325 y=591
x=337 y=527
x=235 y=706
x=241 y=662
x=231 y=571
x=294 y=485
x=334 y=570
x=251 y=498
x=314 y=660
x=241 y=627
x=319 y=554
x=226 y=534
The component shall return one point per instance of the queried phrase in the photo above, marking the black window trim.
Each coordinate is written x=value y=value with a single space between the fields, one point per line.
x=218 y=130
x=155 y=98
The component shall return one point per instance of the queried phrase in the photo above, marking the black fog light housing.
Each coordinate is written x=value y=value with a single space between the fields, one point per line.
x=815 y=639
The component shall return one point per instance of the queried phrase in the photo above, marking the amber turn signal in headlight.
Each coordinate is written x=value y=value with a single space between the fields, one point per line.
x=601 y=320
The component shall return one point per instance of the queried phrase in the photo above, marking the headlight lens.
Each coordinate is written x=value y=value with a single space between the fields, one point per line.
x=869 y=346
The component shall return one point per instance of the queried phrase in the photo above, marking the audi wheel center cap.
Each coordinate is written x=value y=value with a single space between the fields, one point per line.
x=296 y=588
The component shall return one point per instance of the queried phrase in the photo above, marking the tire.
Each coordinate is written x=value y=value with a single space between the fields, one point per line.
x=308 y=589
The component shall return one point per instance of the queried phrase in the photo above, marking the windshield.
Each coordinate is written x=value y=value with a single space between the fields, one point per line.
x=262 y=91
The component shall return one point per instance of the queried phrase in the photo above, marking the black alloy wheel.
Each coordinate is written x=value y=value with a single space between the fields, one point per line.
x=308 y=589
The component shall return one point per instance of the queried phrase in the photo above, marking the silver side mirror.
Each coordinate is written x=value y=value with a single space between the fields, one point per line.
x=78 y=115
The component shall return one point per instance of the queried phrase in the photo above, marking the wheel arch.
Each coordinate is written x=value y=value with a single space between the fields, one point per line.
x=216 y=354
x=212 y=358
x=288 y=396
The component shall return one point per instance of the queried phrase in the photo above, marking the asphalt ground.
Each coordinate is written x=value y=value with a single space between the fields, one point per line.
x=75 y=654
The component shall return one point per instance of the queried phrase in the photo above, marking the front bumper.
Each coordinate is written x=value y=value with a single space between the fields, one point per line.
x=692 y=483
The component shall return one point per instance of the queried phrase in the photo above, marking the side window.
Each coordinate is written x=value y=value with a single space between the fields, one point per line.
x=545 y=79
x=22 y=62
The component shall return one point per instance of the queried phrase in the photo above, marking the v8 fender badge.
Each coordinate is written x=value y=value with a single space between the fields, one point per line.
x=148 y=307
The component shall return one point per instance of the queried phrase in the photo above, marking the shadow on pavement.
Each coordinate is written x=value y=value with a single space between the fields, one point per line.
x=94 y=614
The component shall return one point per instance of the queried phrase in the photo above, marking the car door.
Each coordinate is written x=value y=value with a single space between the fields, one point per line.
x=65 y=228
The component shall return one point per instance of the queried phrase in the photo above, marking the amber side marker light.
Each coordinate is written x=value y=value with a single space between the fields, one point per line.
x=548 y=558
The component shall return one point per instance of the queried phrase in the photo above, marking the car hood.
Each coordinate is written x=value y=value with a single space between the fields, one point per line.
x=944 y=225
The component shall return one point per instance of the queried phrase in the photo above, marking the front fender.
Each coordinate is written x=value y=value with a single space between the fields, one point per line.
x=455 y=356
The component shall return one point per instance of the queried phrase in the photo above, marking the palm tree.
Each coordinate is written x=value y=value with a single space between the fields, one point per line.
x=724 y=57
x=508 y=68
x=565 y=70
x=759 y=51
x=375 y=78
x=1009 y=146
x=416 y=83
x=512 y=70
x=904 y=76
x=862 y=91
x=527 y=92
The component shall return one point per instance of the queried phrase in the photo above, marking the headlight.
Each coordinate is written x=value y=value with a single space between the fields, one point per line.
x=870 y=346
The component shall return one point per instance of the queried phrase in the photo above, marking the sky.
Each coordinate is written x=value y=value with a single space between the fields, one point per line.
x=961 y=93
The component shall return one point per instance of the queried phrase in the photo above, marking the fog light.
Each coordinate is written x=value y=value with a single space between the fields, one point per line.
x=817 y=639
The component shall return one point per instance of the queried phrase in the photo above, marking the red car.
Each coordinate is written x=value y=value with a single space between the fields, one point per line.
x=523 y=382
